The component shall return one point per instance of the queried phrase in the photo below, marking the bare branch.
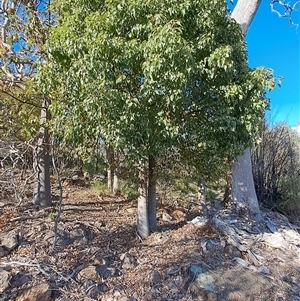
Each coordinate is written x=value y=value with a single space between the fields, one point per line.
x=288 y=9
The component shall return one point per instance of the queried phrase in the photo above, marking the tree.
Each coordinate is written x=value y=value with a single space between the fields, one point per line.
x=241 y=185
x=145 y=76
x=24 y=31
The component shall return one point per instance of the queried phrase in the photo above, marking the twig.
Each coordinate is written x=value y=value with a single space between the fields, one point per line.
x=36 y=265
x=138 y=236
x=60 y=199
x=24 y=218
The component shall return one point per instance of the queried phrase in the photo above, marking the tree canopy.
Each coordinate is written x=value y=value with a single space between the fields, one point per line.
x=145 y=75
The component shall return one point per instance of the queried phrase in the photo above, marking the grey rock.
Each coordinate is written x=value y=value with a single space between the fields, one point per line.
x=198 y=221
x=156 y=278
x=36 y=293
x=106 y=272
x=78 y=236
x=211 y=243
x=275 y=240
x=203 y=244
x=10 y=241
x=128 y=261
x=4 y=280
x=232 y=251
x=20 y=279
x=96 y=289
x=263 y=269
x=205 y=281
x=102 y=287
x=3 y=251
x=196 y=270
x=88 y=273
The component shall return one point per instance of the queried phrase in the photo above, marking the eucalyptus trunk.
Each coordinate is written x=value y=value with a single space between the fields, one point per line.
x=143 y=226
x=152 y=195
x=110 y=168
x=116 y=173
x=41 y=162
x=243 y=196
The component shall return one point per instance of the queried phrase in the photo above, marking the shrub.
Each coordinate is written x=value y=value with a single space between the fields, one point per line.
x=276 y=167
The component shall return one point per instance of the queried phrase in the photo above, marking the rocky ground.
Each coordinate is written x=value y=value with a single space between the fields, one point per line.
x=99 y=256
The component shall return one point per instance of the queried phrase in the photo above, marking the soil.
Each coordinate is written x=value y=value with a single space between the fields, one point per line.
x=181 y=261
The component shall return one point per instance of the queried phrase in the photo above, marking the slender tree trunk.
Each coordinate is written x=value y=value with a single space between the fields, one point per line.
x=202 y=198
x=242 y=186
x=41 y=163
x=152 y=195
x=116 y=173
x=143 y=226
x=110 y=168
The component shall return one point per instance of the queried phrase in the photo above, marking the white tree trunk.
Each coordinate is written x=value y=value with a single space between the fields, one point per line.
x=244 y=199
x=243 y=193
x=244 y=13
x=110 y=168
x=143 y=226
x=116 y=174
x=41 y=163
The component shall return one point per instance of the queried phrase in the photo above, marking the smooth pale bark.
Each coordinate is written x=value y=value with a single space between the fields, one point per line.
x=110 y=168
x=116 y=174
x=202 y=198
x=244 y=199
x=244 y=13
x=243 y=193
x=143 y=226
x=41 y=163
x=152 y=195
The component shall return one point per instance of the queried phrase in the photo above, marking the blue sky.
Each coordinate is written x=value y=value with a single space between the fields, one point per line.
x=273 y=43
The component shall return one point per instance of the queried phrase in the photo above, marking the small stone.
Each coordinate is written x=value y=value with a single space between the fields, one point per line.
x=131 y=210
x=196 y=270
x=205 y=281
x=10 y=241
x=198 y=221
x=156 y=278
x=102 y=287
x=263 y=269
x=211 y=243
x=20 y=279
x=166 y=217
x=106 y=272
x=128 y=261
x=3 y=251
x=95 y=290
x=232 y=251
x=88 y=273
x=36 y=293
x=4 y=280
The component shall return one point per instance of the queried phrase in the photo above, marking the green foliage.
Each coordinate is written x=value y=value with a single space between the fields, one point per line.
x=25 y=29
x=53 y=216
x=100 y=187
x=276 y=167
x=128 y=189
x=289 y=190
x=145 y=75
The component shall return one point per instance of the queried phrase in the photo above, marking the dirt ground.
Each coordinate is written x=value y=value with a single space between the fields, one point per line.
x=179 y=262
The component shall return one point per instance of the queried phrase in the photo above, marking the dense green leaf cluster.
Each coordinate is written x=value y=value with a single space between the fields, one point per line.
x=144 y=75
